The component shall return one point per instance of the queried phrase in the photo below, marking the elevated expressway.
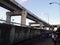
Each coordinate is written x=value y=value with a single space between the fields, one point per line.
x=16 y=10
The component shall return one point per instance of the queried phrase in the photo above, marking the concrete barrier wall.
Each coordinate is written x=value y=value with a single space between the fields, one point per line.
x=10 y=34
x=4 y=34
x=24 y=33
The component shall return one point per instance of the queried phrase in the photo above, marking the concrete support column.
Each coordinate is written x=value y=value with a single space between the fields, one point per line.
x=50 y=28
x=40 y=25
x=23 y=18
x=8 y=18
x=45 y=28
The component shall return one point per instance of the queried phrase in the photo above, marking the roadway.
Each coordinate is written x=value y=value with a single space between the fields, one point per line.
x=47 y=41
x=37 y=41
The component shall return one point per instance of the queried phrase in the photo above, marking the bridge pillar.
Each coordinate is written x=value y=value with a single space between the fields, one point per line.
x=41 y=25
x=50 y=28
x=23 y=18
x=8 y=18
x=44 y=28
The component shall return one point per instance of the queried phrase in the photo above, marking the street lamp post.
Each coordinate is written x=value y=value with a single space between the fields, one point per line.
x=55 y=3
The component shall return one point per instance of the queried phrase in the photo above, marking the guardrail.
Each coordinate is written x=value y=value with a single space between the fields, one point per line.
x=13 y=23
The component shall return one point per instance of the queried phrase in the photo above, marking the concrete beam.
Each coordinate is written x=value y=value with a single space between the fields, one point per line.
x=15 y=13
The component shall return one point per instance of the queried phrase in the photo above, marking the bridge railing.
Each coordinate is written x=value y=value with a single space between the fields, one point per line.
x=13 y=23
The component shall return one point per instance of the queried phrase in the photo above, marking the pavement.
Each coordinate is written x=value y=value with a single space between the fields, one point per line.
x=47 y=41
x=37 y=41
